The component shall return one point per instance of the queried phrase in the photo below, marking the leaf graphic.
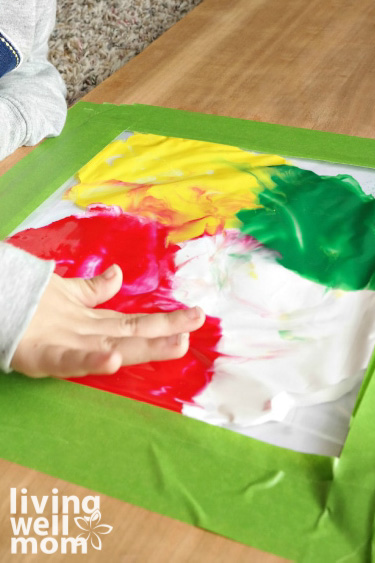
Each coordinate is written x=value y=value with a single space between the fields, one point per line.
x=103 y=529
x=96 y=542
x=81 y=523
x=95 y=518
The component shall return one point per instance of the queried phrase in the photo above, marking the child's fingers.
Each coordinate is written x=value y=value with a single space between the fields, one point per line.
x=149 y=326
x=59 y=361
x=98 y=355
x=137 y=350
x=99 y=314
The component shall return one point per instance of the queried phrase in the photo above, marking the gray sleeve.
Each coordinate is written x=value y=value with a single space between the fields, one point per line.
x=23 y=279
x=32 y=96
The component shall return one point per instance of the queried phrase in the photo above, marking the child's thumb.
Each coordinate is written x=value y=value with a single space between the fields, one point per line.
x=99 y=289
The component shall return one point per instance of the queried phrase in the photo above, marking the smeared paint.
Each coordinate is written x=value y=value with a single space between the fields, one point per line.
x=288 y=335
x=190 y=186
x=86 y=246
x=281 y=333
x=322 y=227
x=283 y=341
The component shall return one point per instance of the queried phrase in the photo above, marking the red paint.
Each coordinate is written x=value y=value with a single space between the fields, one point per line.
x=86 y=246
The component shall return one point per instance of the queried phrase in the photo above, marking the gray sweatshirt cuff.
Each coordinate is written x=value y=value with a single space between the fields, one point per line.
x=13 y=127
x=23 y=279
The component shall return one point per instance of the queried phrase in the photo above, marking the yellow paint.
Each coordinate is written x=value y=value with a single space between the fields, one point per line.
x=252 y=271
x=194 y=187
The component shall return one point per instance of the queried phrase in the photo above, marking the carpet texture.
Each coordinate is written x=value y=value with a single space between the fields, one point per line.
x=94 y=38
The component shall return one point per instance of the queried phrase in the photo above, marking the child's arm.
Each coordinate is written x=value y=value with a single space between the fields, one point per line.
x=23 y=279
x=32 y=93
x=49 y=325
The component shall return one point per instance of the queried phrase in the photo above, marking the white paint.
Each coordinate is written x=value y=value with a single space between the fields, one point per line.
x=288 y=342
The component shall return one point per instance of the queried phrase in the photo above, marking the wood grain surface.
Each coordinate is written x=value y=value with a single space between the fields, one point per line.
x=294 y=62
x=306 y=63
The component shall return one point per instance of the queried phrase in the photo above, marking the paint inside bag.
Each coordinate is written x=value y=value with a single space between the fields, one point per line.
x=290 y=325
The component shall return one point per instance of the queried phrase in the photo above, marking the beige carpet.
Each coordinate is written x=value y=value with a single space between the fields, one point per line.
x=94 y=38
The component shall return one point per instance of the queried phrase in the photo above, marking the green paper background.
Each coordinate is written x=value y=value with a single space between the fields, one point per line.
x=303 y=507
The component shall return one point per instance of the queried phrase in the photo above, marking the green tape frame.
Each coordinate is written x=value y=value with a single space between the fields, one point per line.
x=304 y=507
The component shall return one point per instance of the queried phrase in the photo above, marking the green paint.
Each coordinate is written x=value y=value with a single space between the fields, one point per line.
x=322 y=227
x=285 y=334
x=242 y=257
x=288 y=335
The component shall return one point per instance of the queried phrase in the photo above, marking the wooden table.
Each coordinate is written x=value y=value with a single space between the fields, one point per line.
x=294 y=62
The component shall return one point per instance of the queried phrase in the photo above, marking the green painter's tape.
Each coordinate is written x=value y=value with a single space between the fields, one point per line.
x=163 y=461
x=304 y=507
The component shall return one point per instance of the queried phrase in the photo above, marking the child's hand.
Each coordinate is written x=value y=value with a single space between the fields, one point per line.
x=67 y=337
